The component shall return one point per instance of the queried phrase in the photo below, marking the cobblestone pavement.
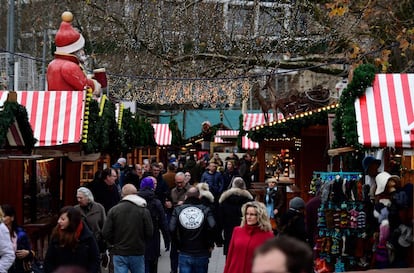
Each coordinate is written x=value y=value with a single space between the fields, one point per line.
x=216 y=264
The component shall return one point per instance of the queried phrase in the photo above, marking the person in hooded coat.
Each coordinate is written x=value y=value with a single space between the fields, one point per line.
x=229 y=212
x=128 y=228
x=159 y=222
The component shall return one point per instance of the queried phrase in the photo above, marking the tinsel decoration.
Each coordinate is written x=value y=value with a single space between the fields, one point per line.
x=86 y=116
x=344 y=124
x=120 y=113
x=92 y=143
x=13 y=111
x=176 y=139
x=102 y=104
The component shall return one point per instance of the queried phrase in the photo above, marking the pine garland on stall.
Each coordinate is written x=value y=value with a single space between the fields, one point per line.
x=345 y=125
x=177 y=138
x=13 y=111
x=290 y=128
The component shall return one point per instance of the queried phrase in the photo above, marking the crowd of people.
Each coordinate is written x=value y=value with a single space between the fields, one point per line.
x=120 y=217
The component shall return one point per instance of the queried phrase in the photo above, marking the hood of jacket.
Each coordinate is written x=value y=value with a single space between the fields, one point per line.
x=208 y=195
x=135 y=199
x=235 y=191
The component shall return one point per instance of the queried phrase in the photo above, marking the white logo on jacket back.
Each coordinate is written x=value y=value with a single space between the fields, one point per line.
x=191 y=217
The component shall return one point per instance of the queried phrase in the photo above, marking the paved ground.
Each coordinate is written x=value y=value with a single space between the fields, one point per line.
x=216 y=264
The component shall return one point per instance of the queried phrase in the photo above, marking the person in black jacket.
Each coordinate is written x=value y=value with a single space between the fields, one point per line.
x=192 y=227
x=72 y=244
x=229 y=212
x=105 y=190
x=159 y=222
x=292 y=223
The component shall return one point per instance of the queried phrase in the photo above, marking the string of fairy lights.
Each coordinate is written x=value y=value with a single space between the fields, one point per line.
x=296 y=116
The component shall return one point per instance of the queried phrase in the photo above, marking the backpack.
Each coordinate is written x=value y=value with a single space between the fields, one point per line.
x=155 y=216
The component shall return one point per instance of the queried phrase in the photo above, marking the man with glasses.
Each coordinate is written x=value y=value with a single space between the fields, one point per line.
x=106 y=191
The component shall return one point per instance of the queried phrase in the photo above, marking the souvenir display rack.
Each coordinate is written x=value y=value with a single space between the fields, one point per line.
x=341 y=222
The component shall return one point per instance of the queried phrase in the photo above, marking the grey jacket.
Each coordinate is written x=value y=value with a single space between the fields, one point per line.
x=94 y=217
x=128 y=226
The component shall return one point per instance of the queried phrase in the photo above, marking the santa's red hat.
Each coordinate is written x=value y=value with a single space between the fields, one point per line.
x=67 y=39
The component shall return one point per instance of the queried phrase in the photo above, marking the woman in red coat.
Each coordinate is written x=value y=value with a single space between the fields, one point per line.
x=254 y=230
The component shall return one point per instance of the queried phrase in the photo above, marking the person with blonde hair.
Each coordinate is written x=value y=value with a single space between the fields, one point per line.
x=253 y=231
x=229 y=211
x=7 y=255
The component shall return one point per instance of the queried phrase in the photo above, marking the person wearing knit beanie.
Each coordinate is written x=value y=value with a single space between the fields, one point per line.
x=292 y=223
x=147 y=182
x=297 y=203
x=65 y=72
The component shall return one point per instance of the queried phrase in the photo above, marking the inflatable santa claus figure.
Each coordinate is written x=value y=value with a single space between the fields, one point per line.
x=65 y=72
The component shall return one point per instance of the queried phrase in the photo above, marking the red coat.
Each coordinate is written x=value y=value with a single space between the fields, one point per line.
x=243 y=243
x=65 y=74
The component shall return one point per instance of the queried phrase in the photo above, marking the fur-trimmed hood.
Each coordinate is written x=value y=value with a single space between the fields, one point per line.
x=204 y=190
x=235 y=191
x=135 y=199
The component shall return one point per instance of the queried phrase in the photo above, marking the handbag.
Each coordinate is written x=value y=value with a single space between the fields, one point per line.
x=273 y=223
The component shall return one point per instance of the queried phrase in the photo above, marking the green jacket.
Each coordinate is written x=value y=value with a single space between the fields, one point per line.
x=128 y=226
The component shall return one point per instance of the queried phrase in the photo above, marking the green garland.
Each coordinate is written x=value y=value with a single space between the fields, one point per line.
x=242 y=132
x=145 y=132
x=344 y=124
x=290 y=128
x=177 y=138
x=13 y=111
x=103 y=133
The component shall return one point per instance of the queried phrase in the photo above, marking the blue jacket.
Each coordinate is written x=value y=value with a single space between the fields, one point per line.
x=214 y=181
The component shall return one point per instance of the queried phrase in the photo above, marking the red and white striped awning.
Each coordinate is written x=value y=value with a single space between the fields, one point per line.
x=14 y=136
x=251 y=120
x=56 y=117
x=162 y=134
x=385 y=113
x=222 y=136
